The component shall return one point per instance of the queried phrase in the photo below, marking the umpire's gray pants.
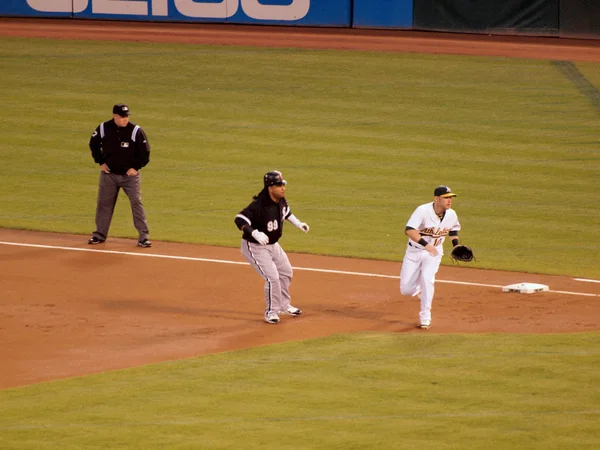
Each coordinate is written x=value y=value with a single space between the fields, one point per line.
x=273 y=265
x=108 y=191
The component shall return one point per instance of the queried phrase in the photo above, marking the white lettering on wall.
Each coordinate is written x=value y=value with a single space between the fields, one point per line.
x=294 y=11
x=221 y=10
x=160 y=8
x=67 y=6
x=129 y=7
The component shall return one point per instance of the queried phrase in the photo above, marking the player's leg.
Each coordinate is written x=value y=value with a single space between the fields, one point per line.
x=260 y=258
x=108 y=192
x=132 y=188
x=429 y=268
x=286 y=273
x=410 y=273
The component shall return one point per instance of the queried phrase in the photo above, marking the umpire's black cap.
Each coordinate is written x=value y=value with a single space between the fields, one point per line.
x=274 y=178
x=121 y=109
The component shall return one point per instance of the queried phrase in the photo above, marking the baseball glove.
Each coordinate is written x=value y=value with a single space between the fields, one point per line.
x=462 y=253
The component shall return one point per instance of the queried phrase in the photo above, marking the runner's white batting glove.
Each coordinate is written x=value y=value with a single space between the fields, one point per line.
x=300 y=225
x=260 y=237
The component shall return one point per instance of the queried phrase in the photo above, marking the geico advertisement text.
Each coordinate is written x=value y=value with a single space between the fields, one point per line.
x=290 y=12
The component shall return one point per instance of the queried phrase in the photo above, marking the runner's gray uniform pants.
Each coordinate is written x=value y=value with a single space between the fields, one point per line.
x=273 y=265
x=108 y=191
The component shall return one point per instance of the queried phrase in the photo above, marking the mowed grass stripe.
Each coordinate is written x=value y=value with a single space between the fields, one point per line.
x=350 y=418
x=586 y=88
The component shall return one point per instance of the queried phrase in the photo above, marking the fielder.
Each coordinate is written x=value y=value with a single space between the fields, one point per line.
x=427 y=229
x=262 y=224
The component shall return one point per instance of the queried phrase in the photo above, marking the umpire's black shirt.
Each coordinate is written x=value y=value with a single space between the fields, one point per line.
x=121 y=148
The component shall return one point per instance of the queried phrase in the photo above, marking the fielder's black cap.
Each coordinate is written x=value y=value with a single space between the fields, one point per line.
x=443 y=191
x=274 y=178
x=121 y=109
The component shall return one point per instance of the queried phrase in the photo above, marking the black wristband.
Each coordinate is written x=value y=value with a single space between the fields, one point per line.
x=248 y=229
x=423 y=242
x=454 y=242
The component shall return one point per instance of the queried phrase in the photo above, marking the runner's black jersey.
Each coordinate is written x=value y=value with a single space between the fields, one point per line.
x=263 y=214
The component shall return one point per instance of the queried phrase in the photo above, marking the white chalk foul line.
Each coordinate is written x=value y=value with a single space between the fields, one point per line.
x=224 y=261
x=114 y=252
x=586 y=280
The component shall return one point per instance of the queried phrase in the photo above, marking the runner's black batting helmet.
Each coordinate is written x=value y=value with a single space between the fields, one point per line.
x=274 y=178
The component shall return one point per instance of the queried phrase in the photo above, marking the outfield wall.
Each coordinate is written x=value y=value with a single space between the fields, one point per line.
x=568 y=18
x=527 y=17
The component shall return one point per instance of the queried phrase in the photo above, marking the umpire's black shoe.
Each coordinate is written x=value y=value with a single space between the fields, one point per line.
x=145 y=243
x=94 y=240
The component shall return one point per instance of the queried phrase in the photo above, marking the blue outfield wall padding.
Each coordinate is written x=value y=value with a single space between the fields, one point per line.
x=335 y=13
x=383 y=14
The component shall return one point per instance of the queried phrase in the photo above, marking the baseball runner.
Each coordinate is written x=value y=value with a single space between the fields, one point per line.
x=262 y=225
x=122 y=149
x=427 y=229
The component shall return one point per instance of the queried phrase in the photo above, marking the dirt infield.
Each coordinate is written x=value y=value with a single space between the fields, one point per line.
x=67 y=309
x=65 y=312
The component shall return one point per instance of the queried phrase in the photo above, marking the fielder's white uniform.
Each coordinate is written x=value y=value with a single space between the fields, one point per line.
x=417 y=276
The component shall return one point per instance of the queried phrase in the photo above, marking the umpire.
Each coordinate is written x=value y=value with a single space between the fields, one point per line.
x=122 y=149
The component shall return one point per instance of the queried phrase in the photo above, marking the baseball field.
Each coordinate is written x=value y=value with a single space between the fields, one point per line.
x=119 y=347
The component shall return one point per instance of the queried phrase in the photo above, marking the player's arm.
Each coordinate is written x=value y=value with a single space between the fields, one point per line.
x=454 y=236
x=143 y=149
x=300 y=225
x=243 y=222
x=246 y=217
x=415 y=236
x=96 y=146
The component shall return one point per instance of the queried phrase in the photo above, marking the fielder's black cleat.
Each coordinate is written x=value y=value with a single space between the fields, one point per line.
x=94 y=240
x=145 y=243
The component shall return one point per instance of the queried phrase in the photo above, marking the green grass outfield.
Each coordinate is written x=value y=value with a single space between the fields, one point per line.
x=363 y=138
x=362 y=391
